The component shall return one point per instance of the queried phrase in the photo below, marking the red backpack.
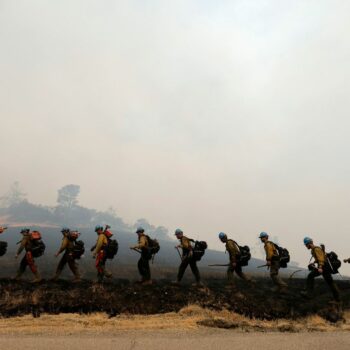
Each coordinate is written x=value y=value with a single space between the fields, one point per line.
x=35 y=235
x=108 y=234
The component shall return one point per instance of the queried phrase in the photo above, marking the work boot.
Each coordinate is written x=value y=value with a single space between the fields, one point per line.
x=108 y=274
x=55 y=278
x=198 y=284
x=147 y=283
x=37 y=278
x=76 y=279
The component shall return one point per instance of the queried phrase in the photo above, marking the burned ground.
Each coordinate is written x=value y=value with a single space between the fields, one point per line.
x=122 y=297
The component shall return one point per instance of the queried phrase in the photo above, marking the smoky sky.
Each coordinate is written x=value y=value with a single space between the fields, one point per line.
x=210 y=116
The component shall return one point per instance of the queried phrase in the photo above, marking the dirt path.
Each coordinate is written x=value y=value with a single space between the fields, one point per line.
x=203 y=340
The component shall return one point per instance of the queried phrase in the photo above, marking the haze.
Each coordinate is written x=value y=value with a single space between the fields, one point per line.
x=210 y=116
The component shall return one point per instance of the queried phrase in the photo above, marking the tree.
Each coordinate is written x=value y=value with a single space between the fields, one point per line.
x=68 y=196
x=14 y=196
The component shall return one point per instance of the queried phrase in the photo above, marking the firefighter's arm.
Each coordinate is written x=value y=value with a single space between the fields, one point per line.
x=99 y=244
x=63 y=246
x=142 y=243
x=22 y=246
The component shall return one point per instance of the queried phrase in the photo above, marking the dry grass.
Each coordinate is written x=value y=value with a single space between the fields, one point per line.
x=185 y=319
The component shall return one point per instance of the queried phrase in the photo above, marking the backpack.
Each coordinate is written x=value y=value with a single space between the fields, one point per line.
x=108 y=233
x=244 y=255
x=78 y=249
x=38 y=246
x=284 y=257
x=111 y=248
x=333 y=262
x=199 y=249
x=153 y=246
x=3 y=248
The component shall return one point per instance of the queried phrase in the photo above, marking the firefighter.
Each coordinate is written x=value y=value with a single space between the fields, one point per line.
x=143 y=263
x=234 y=253
x=187 y=258
x=28 y=260
x=99 y=253
x=67 y=246
x=272 y=262
x=318 y=268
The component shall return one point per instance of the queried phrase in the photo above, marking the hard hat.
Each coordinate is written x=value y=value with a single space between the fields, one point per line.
x=140 y=230
x=98 y=228
x=307 y=240
x=263 y=235
x=222 y=235
x=178 y=231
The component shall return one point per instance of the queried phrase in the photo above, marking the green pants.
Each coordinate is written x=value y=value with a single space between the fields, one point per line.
x=193 y=265
x=274 y=269
x=238 y=269
x=67 y=259
x=143 y=267
x=327 y=276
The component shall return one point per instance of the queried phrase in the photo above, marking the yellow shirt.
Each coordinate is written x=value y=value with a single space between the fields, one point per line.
x=25 y=244
x=185 y=244
x=319 y=256
x=143 y=243
x=233 y=250
x=270 y=250
x=102 y=241
x=67 y=244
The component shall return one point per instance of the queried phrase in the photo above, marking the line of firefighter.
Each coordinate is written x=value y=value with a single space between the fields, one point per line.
x=318 y=268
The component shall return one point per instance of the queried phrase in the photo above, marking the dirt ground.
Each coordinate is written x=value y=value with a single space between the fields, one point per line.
x=120 y=297
x=121 y=315
x=175 y=340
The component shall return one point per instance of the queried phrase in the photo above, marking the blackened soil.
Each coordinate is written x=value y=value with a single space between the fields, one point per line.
x=121 y=296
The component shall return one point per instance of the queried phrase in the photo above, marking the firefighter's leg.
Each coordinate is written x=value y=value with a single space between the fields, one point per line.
x=195 y=271
x=60 y=267
x=240 y=273
x=22 y=267
x=274 y=269
x=182 y=269
x=229 y=273
x=100 y=266
x=333 y=287
x=32 y=266
x=73 y=267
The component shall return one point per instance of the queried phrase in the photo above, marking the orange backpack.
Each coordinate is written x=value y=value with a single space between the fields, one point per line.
x=35 y=235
